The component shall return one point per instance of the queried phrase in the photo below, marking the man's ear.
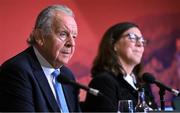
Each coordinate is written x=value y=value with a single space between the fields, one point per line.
x=38 y=35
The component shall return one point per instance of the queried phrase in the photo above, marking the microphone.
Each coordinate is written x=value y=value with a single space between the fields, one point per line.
x=149 y=78
x=65 y=80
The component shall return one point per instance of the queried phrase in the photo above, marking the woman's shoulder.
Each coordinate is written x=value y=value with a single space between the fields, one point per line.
x=104 y=78
x=105 y=75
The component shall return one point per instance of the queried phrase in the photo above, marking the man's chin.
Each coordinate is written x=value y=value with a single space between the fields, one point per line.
x=65 y=61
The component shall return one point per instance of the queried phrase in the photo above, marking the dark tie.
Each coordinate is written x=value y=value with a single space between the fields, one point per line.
x=59 y=93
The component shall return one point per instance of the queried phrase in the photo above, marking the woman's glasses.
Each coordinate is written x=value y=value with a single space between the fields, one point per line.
x=134 y=38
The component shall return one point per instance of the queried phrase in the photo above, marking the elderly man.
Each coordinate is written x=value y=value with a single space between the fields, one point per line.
x=28 y=80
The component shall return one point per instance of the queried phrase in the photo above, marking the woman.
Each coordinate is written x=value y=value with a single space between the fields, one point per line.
x=116 y=69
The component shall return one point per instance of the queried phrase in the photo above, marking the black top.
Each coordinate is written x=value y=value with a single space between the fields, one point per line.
x=114 y=89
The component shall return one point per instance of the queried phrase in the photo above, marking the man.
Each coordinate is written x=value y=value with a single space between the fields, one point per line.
x=26 y=79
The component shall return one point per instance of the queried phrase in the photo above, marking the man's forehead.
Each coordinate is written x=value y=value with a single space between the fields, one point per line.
x=60 y=24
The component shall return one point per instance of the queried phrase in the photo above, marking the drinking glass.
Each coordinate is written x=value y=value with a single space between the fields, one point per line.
x=125 y=106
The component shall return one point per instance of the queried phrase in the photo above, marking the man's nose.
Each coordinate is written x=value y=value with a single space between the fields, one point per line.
x=71 y=41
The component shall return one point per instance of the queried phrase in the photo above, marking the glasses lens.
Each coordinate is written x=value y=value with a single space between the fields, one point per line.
x=144 y=42
x=133 y=37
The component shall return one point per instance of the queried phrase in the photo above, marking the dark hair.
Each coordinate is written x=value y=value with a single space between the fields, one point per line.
x=107 y=59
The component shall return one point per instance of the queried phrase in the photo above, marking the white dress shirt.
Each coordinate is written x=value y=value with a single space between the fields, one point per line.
x=47 y=69
x=131 y=80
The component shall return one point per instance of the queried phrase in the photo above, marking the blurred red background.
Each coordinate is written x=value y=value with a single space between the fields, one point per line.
x=159 y=21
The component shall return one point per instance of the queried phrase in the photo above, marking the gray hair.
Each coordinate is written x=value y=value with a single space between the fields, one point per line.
x=45 y=17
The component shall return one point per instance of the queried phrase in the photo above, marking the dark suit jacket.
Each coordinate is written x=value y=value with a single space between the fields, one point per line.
x=114 y=89
x=24 y=87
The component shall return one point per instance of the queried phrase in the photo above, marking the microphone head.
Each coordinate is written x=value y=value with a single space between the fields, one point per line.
x=63 y=79
x=148 y=78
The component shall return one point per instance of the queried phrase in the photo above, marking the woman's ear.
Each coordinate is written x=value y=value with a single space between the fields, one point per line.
x=115 y=48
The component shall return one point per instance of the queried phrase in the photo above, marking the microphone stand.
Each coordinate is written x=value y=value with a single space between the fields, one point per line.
x=161 y=94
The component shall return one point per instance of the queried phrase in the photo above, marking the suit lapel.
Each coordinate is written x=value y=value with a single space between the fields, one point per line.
x=68 y=97
x=44 y=85
x=42 y=81
x=127 y=85
x=67 y=89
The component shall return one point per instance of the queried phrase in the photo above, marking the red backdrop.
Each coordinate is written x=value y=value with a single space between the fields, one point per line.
x=159 y=20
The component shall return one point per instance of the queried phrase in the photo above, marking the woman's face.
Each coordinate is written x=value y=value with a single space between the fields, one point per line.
x=130 y=47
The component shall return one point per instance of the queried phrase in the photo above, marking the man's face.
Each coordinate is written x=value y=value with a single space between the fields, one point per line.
x=58 y=47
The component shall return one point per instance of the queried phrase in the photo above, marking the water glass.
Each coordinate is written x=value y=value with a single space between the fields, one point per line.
x=125 y=106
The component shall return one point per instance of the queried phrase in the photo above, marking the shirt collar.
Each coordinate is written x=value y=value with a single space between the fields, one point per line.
x=47 y=68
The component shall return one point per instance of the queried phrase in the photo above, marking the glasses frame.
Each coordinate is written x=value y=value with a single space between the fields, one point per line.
x=134 y=38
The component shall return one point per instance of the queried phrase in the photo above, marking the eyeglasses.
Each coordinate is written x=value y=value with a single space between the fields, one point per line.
x=134 y=38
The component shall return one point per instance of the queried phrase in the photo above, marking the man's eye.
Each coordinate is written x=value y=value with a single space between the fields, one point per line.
x=63 y=34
